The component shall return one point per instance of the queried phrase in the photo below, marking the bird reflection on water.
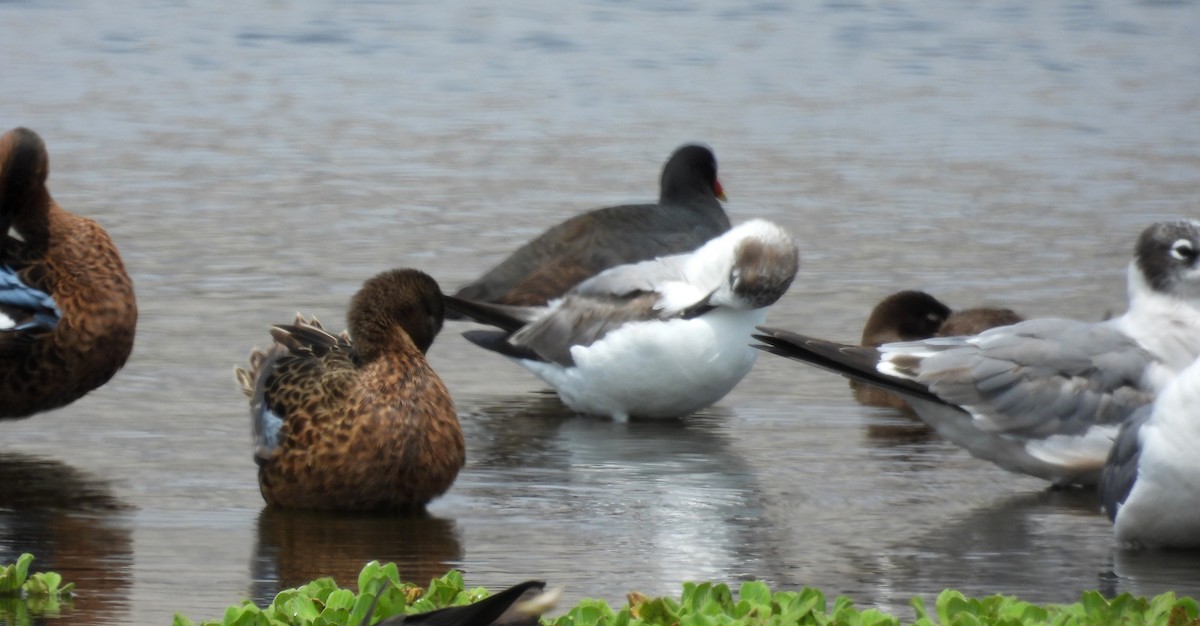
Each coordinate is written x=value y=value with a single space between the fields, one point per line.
x=296 y=546
x=73 y=525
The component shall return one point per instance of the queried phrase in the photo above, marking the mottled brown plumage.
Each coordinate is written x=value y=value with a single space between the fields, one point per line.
x=70 y=258
x=362 y=424
x=916 y=315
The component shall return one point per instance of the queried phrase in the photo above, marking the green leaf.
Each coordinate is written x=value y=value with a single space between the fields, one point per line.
x=340 y=599
x=697 y=619
x=660 y=611
x=367 y=578
x=301 y=606
x=1094 y=604
x=586 y=614
x=707 y=598
x=322 y=603
x=12 y=578
x=756 y=592
x=918 y=605
x=948 y=602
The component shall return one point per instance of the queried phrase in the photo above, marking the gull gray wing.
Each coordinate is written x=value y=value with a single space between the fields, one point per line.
x=548 y=333
x=581 y=320
x=1122 y=468
x=1043 y=397
x=1035 y=379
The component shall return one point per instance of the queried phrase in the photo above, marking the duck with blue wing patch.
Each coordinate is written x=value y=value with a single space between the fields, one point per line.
x=67 y=308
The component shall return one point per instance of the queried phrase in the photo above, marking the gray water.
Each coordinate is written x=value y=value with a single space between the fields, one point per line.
x=254 y=161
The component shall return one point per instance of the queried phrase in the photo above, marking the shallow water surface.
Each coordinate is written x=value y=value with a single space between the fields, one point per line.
x=255 y=161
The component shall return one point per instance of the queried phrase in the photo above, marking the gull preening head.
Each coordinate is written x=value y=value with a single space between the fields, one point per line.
x=749 y=267
x=764 y=265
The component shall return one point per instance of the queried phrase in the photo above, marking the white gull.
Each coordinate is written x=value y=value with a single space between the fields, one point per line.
x=1151 y=484
x=1043 y=397
x=658 y=339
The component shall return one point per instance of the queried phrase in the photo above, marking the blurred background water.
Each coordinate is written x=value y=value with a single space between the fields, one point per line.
x=256 y=160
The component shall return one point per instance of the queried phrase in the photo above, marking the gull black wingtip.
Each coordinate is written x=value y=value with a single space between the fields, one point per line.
x=779 y=341
x=497 y=341
x=855 y=362
x=769 y=333
x=772 y=349
x=508 y=318
x=510 y=607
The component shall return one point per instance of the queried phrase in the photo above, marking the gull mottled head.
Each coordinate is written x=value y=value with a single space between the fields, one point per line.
x=761 y=262
x=1167 y=258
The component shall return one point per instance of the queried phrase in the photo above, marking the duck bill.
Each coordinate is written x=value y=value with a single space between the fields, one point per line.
x=719 y=191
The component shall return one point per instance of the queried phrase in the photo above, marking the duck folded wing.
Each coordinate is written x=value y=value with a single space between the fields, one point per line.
x=25 y=312
x=306 y=363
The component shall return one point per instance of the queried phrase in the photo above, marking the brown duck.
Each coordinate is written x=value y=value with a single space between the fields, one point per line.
x=67 y=308
x=688 y=214
x=915 y=315
x=362 y=424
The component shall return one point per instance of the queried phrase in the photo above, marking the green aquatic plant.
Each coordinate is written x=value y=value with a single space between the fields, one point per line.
x=953 y=608
x=23 y=595
x=322 y=603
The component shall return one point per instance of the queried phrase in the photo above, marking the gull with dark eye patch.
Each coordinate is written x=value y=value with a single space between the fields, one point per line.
x=657 y=339
x=1043 y=397
x=687 y=214
x=912 y=315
